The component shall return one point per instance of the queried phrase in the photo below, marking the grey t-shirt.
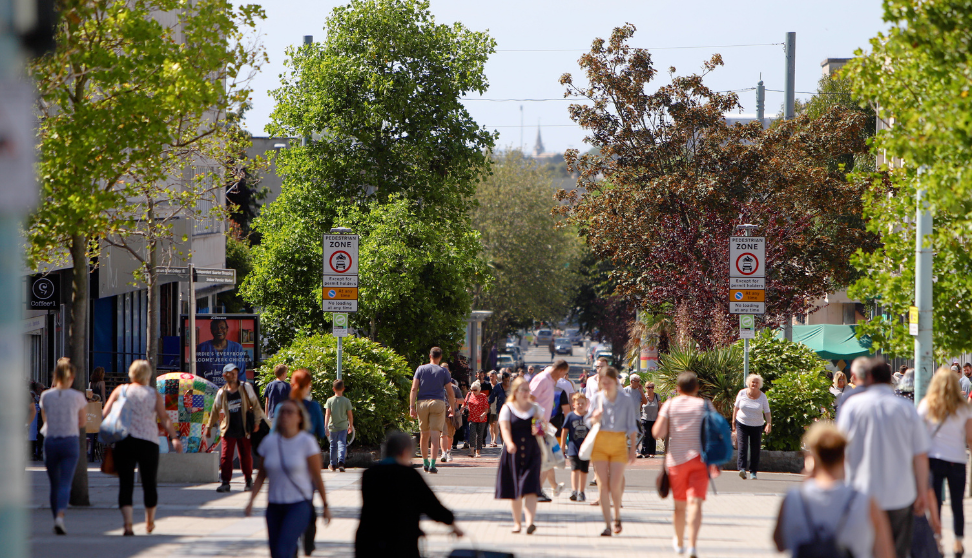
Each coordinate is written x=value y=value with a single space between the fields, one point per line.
x=826 y=509
x=432 y=382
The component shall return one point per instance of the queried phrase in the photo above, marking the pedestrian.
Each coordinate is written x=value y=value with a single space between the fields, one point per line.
x=906 y=387
x=680 y=421
x=292 y=463
x=463 y=433
x=887 y=447
x=235 y=402
x=553 y=350
x=636 y=392
x=649 y=414
x=277 y=390
x=964 y=382
x=948 y=418
x=97 y=384
x=518 y=475
x=531 y=372
x=33 y=426
x=750 y=418
x=497 y=398
x=617 y=415
x=574 y=432
x=593 y=382
x=64 y=412
x=339 y=416
x=856 y=384
x=452 y=422
x=141 y=447
x=487 y=389
x=428 y=403
x=840 y=383
x=824 y=507
x=390 y=526
x=478 y=406
x=543 y=388
x=899 y=374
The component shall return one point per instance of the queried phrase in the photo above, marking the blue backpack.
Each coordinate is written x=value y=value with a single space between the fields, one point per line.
x=716 y=437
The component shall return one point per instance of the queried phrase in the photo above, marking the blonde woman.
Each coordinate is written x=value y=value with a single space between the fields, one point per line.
x=518 y=476
x=840 y=382
x=142 y=444
x=948 y=418
x=750 y=418
x=63 y=410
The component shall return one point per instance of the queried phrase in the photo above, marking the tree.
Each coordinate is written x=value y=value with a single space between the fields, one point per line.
x=533 y=262
x=672 y=179
x=917 y=75
x=125 y=100
x=380 y=99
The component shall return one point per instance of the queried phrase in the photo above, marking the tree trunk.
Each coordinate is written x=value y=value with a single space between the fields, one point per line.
x=152 y=319
x=77 y=320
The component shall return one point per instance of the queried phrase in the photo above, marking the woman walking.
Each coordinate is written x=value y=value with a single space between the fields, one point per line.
x=97 y=384
x=63 y=410
x=948 y=418
x=750 y=418
x=837 y=389
x=614 y=446
x=518 y=476
x=478 y=405
x=649 y=414
x=292 y=463
x=234 y=401
x=147 y=407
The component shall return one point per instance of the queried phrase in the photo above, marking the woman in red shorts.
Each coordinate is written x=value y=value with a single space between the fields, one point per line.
x=680 y=418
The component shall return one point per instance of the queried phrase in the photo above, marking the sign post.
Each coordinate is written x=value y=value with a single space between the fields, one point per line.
x=747 y=284
x=339 y=287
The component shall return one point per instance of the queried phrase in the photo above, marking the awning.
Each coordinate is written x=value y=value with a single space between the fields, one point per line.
x=831 y=341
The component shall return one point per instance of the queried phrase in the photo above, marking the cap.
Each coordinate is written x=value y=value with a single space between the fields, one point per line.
x=230 y=367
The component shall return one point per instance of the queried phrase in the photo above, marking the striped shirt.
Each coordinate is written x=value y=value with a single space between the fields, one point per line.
x=684 y=416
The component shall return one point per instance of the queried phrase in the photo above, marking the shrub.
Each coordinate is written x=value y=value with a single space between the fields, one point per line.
x=797 y=399
x=772 y=357
x=719 y=372
x=377 y=380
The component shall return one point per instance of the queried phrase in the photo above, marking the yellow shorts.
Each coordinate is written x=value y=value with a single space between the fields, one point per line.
x=611 y=447
x=431 y=415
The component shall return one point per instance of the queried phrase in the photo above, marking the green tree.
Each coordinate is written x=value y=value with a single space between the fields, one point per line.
x=771 y=356
x=127 y=102
x=918 y=74
x=534 y=262
x=380 y=100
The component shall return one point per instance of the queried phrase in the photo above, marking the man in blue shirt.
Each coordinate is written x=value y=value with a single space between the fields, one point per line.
x=277 y=390
x=427 y=403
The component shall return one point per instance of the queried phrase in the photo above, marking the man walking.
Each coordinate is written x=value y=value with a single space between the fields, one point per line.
x=427 y=403
x=542 y=389
x=887 y=451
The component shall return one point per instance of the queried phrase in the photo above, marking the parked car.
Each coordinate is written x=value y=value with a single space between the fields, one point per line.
x=517 y=355
x=563 y=346
x=575 y=336
x=505 y=361
x=543 y=337
x=606 y=353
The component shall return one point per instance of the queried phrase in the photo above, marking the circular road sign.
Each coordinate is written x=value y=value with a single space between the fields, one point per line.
x=747 y=263
x=340 y=262
x=739 y=295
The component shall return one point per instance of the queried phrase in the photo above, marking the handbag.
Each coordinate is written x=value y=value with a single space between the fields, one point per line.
x=587 y=448
x=662 y=482
x=108 y=462
x=116 y=425
x=734 y=440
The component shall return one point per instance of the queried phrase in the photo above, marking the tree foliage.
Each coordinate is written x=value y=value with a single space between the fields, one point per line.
x=797 y=399
x=672 y=179
x=919 y=73
x=533 y=262
x=719 y=372
x=393 y=154
x=771 y=356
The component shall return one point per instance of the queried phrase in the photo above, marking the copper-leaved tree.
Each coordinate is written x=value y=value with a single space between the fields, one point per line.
x=669 y=180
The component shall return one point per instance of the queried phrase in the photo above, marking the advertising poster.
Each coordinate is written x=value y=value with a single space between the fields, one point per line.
x=222 y=339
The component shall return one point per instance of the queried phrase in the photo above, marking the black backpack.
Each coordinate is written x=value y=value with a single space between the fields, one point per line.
x=823 y=545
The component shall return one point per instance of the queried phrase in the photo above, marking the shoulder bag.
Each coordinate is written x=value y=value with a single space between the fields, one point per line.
x=116 y=425
x=256 y=438
x=587 y=448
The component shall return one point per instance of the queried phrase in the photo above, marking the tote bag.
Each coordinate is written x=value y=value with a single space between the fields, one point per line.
x=116 y=425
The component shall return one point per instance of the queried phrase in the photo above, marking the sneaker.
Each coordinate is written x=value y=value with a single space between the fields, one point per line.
x=433 y=470
x=573 y=495
x=223 y=487
x=248 y=486
x=640 y=456
x=581 y=497
x=425 y=468
x=542 y=497
x=752 y=476
x=592 y=483
x=742 y=474
x=558 y=490
x=465 y=445
x=676 y=548
x=59 y=526
x=331 y=467
x=693 y=553
x=341 y=466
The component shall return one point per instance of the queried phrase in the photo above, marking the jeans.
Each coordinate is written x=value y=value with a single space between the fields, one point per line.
x=649 y=445
x=748 y=437
x=954 y=473
x=226 y=458
x=339 y=446
x=285 y=524
x=127 y=453
x=477 y=435
x=61 y=458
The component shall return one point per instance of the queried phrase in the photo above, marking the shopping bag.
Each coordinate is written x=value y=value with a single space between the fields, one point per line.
x=587 y=448
x=115 y=426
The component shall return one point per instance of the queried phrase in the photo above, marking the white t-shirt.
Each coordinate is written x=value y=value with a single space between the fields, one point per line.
x=750 y=411
x=61 y=408
x=295 y=452
x=508 y=410
x=566 y=386
x=948 y=442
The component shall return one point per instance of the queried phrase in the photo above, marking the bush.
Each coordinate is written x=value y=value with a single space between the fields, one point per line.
x=797 y=399
x=377 y=380
x=719 y=372
x=772 y=357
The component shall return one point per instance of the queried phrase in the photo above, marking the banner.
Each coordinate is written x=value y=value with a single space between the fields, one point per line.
x=223 y=339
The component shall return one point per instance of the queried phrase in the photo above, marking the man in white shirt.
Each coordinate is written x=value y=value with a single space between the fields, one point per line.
x=857 y=369
x=887 y=451
x=542 y=388
x=964 y=381
x=591 y=389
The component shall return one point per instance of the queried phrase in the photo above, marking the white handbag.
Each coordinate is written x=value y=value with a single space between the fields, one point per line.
x=587 y=448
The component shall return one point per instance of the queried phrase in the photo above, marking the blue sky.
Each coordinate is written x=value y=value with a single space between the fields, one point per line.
x=824 y=28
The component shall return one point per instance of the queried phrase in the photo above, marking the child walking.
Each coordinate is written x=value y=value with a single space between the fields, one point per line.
x=340 y=423
x=571 y=438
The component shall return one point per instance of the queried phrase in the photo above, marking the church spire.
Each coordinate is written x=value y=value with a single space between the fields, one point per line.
x=538 y=148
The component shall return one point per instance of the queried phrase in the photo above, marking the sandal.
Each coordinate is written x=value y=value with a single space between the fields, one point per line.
x=149 y=527
x=617 y=526
x=531 y=529
x=606 y=532
x=516 y=529
x=128 y=531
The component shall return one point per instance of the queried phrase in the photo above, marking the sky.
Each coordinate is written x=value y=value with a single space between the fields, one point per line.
x=539 y=40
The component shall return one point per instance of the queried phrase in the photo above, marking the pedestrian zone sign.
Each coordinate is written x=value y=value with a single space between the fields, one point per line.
x=747 y=256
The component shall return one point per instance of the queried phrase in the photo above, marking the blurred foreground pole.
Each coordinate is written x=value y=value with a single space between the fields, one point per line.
x=924 y=252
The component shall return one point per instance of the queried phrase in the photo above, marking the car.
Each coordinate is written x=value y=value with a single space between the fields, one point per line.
x=606 y=353
x=544 y=336
x=563 y=346
x=517 y=356
x=505 y=361
x=575 y=336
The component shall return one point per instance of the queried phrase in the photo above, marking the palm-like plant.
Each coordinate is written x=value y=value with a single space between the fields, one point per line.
x=719 y=372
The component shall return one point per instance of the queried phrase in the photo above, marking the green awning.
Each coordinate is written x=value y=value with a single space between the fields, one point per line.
x=831 y=341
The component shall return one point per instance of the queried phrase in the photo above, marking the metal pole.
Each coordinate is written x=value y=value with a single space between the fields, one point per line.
x=339 y=354
x=924 y=361
x=789 y=85
x=192 y=319
x=760 y=102
x=745 y=359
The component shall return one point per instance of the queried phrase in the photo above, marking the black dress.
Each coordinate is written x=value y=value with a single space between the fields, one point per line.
x=519 y=475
